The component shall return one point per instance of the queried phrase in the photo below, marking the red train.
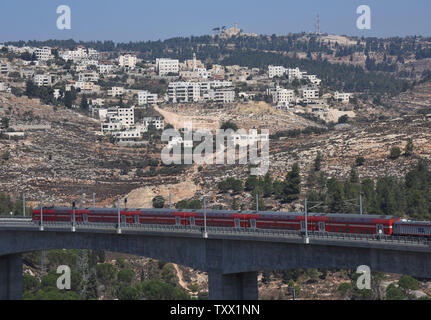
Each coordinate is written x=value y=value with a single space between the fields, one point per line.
x=317 y=222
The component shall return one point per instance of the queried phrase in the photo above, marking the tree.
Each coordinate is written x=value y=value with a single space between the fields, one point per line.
x=394 y=293
x=360 y=161
x=409 y=148
x=343 y=119
x=318 y=162
x=292 y=185
x=106 y=273
x=125 y=276
x=229 y=125
x=5 y=122
x=84 y=103
x=159 y=202
x=395 y=153
x=408 y=283
x=251 y=183
x=128 y=293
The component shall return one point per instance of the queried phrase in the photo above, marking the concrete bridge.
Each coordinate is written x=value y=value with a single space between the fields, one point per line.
x=232 y=258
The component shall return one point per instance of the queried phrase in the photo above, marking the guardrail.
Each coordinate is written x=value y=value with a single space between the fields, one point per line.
x=266 y=233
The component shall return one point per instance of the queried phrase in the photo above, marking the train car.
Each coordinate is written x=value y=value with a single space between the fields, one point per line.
x=288 y=221
x=360 y=224
x=412 y=228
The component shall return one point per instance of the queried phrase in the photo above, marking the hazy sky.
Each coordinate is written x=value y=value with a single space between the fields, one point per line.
x=133 y=20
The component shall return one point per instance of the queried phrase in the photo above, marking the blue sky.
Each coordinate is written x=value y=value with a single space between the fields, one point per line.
x=135 y=20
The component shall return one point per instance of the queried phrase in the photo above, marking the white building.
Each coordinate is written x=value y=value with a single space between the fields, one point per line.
x=217 y=91
x=127 y=61
x=4 y=68
x=166 y=66
x=42 y=80
x=276 y=71
x=43 y=54
x=90 y=76
x=105 y=67
x=157 y=122
x=117 y=118
x=4 y=87
x=310 y=93
x=343 y=97
x=184 y=92
x=282 y=97
x=116 y=91
x=145 y=97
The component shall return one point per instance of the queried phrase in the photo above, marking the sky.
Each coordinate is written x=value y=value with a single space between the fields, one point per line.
x=142 y=20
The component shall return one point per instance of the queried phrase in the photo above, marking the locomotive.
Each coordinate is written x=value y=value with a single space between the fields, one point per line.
x=257 y=220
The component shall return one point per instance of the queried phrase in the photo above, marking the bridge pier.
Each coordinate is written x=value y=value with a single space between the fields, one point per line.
x=11 y=277
x=236 y=286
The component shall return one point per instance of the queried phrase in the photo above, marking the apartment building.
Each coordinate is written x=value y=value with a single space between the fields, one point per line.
x=105 y=67
x=217 y=91
x=76 y=55
x=157 y=122
x=90 y=76
x=310 y=93
x=4 y=68
x=343 y=97
x=43 y=80
x=276 y=71
x=3 y=87
x=184 y=92
x=146 y=97
x=114 y=119
x=167 y=66
x=313 y=79
x=282 y=97
x=127 y=61
x=116 y=91
x=43 y=54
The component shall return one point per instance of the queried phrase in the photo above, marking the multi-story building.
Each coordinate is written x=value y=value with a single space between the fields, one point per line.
x=105 y=67
x=167 y=66
x=310 y=93
x=4 y=68
x=184 y=92
x=116 y=91
x=117 y=118
x=157 y=122
x=90 y=76
x=43 y=54
x=127 y=61
x=276 y=71
x=343 y=97
x=145 y=97
x=43 y=80
x=217 y=91
x=282 y=97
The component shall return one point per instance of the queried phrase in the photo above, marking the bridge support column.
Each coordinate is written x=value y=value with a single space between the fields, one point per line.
x=237 y=286
x=11 y=277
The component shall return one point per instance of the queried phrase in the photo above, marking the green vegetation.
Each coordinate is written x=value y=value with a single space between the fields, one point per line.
x=388 y=196
x=8 y=205
x=231 y=184
x=192 y=204
x=395 y=153
x=159 y=202
x=104 y=279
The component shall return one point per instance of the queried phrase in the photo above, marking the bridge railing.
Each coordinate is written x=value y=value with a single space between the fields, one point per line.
x=264 y=233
